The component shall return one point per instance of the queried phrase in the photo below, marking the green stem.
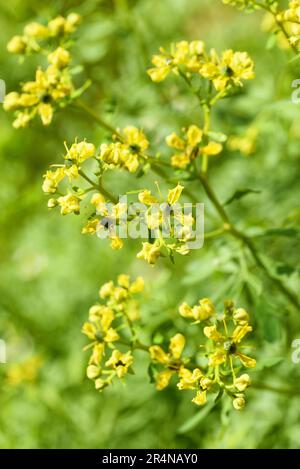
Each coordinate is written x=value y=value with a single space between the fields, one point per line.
x=279 y=24
x=214 y=233
x=99 y=188
x=206 y=112
x=229 y=227
x=105 y=125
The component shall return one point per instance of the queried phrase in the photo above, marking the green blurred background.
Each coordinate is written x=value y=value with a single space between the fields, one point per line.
x=50 y=273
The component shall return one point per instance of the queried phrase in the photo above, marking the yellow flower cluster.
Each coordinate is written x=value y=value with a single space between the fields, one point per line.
x=246 y=143
x=24 y=372
x=176 y=225
x=225 y=71
x=77 y=154
x=290 y=18
x=194 y=143
x=171 y=228
x=53 y=87
x=127 y=151
x=34 y=33
x=111 y=326
x=109 y=321
x=224 y=333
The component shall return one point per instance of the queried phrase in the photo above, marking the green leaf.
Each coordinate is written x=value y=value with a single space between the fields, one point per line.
x=285 y=269
x=196 y=419
x=239 y=194
x=151 y=372
x=268 y=362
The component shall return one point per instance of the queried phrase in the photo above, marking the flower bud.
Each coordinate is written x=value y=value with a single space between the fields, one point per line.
x=17 y=45
x=239 y=403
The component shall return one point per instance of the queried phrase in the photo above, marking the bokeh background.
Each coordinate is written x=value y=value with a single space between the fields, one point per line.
x=50 y=273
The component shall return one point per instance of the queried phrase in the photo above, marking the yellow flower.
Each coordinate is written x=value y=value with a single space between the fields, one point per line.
x=163 y=378
x=125 y=153
x=201 y=312
x=120 y=362
x=93 y=371
x=11 y=101
x=46 y=113
x=241 y=316
x=146 y=197
x=242 y=382
x=124 y=280
x=61 y=26
x=189 y=55
x=97 y=354
x=36 y=30
x=228 y=345
x=60 y=58
x=107 y=290
x=17 y=45
x=135 y=139
x=116 y=243
x=188 y=146
x=171 y=360
x=200 y=398
x=69 y=204
x=80 y=151
x=211 y=332
x=231 y=69
x=189 y=379
x=137 y=286
x=239 y=403
x=174 y=194
x=212 y=149
x=99 y=201
x=91 y=226
x=150 y=252
x=40 y=97
x=52 y=179
x=89 y=330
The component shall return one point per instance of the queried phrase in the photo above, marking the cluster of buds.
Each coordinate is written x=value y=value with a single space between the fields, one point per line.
x=75 y=156
x=290 y=18
x=195 y=143
x=53 y=87
x=127 y=151
x=111 y=325
x=36 y=36
x=224 y=72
